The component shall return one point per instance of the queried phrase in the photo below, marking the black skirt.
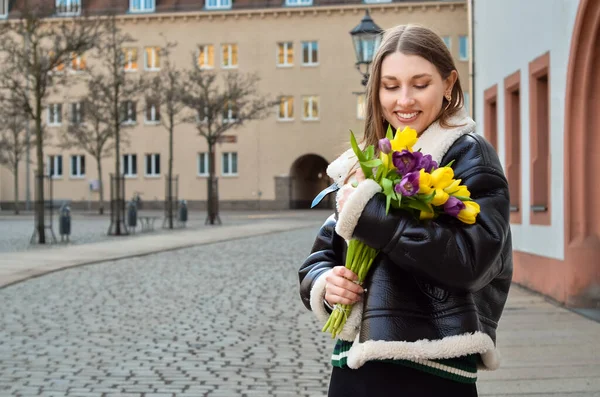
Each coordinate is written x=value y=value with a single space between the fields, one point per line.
x=376 y=379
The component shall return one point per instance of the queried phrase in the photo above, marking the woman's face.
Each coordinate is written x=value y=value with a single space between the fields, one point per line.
x=412 y=91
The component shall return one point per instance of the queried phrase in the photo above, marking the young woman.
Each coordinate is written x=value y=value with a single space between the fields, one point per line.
x=425 y=319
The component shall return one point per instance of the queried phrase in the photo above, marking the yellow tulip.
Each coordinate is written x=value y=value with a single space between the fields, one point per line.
x=404 y=139
x=462 y=191
x=453 y=186
x=469 y=213
x=426 y=215
x=440 y=197
x=424 y=182
x=442 y=177
x=386 y=160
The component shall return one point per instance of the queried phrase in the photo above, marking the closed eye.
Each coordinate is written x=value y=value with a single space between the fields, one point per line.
x=421 y=87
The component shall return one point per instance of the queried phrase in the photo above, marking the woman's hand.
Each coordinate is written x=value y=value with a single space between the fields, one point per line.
x=358 y=176
x=341 y=287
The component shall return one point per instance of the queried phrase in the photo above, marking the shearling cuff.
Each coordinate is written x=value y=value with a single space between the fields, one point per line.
x=354 y=207
x=317 y=294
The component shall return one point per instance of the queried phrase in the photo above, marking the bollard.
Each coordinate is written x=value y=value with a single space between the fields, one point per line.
x=183 y=213
x=64 y=223
x=132 y=215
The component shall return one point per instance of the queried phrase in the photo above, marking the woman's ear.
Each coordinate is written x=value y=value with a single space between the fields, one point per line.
x=450 y=80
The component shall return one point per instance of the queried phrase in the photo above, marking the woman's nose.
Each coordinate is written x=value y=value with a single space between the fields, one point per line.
x=405 y=99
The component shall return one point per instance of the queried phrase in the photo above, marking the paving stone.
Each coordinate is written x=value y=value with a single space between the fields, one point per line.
x=214 y=320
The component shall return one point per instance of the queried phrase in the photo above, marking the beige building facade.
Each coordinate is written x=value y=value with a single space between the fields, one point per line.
x=303 y=54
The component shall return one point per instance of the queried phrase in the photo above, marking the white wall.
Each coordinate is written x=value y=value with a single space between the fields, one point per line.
x=508 y=34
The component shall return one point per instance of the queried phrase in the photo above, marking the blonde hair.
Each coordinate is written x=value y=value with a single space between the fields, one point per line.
x=409 y=40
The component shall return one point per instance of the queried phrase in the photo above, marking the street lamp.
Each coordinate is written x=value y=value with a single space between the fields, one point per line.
x=366 y=37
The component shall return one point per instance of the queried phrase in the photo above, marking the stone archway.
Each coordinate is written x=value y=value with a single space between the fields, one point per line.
x=307 y=178
x=582 y=145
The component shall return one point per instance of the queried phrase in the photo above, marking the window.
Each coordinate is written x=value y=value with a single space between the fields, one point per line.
x=67 y=7
x=152 y=112
x=55 y=169
x=128 y=112
x=230 y=55
x=141 y=5
x=78 y=166
x=152 y=58
x=310 y=53
x=286 y=108
x=206 y=56
x=311 y=108
x=229 y=113
x=60 y=68
x=448 y=42
x=202 y=116
x=512 y=125
x=298 y=2
x=490 y=116
x=54 y=114
x=360 y=106
x=285 y=54
x=153 y=164
x=229 y=163
x=218 y=4
x=202 y=164
x=3 y=8
x=77 y=113
x=463 y=48
x=130 y=59
x=129 y=165
x=539 y=156
x=78 y=63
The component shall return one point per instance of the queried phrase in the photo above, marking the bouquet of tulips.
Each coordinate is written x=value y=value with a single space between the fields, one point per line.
x=412 y=181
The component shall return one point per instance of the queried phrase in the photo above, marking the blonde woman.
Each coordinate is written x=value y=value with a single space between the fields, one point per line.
x=424 y=321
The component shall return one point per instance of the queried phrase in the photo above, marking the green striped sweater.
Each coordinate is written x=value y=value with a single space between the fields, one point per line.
x=460 y=369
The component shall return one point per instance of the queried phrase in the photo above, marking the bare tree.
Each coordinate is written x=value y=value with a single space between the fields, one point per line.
x=165 y=99
x=13 y=144
x=117 y=91
x=222 y=106
x=89 y=129
x=34 y=50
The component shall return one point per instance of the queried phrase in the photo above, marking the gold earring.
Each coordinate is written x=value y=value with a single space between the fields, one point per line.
x=448 y=97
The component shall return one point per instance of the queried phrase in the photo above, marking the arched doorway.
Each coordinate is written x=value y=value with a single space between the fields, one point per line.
x=307 y=178
x=582 y=145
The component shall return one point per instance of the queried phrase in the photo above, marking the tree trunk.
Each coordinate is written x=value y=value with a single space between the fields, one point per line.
x=213 y=194
x=118 y=204
x=101 y=187
x=170 y=176
x=39 y=196
x=16 y=174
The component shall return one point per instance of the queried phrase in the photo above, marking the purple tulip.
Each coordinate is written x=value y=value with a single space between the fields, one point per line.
x=406 y=161
x=453 y=206
x=409 y=185
x=385 y=146
x=427 y=163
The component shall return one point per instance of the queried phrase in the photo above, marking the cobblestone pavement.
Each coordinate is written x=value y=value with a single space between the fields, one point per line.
x=215 y=320
x=15 y=231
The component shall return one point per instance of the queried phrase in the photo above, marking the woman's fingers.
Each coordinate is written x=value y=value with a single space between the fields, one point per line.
x=359 y=175
x=341 y=288
x=336 y=294
x=343 y=271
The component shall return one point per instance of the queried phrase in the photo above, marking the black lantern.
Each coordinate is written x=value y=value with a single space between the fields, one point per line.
x=366 y=37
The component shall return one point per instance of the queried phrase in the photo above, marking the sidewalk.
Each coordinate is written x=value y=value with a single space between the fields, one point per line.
x=547 y=350
x=20 y=266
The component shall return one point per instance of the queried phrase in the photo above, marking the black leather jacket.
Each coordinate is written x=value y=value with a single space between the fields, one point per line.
x=432 y=279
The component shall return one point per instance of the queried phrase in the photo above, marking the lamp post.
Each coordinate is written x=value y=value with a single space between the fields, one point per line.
x=366 y=37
